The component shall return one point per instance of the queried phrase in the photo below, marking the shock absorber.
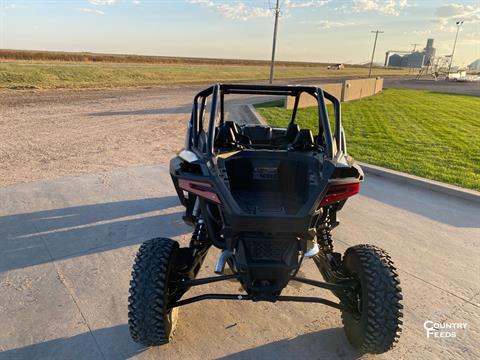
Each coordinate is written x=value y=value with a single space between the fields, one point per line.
x=324 y=236
x=199 y=235
x=323 y=240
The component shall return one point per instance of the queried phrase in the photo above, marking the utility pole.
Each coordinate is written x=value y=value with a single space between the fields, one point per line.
x=373 y=52
x=459 y=24
x=272 y=64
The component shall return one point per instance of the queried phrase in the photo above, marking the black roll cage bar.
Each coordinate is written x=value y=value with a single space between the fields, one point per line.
x=218 y=92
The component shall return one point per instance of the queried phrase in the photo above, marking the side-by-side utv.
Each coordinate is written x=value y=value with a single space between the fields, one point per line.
x=268 y=198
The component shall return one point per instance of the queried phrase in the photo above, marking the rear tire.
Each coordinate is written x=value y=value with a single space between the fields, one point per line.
x=150 y=321
x=374 y=326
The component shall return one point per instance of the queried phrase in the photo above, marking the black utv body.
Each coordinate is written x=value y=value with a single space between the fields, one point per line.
x=268 y=198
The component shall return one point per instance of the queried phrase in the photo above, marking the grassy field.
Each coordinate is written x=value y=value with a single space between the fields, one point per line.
x=103 y=75
x=29 y=56
x=26 y=69
x=433 y=135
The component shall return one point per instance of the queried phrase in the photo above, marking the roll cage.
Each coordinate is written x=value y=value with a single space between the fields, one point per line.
x=334 y=145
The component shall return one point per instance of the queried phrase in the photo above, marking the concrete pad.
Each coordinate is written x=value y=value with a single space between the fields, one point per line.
x=67 y=248
x=432 y=235
x=36 y=310
x=428 y=184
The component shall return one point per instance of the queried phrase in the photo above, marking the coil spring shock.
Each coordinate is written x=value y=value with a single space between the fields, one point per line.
x=199 y=234
x=325 y=236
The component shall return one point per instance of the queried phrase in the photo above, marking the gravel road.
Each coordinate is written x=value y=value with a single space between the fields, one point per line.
x=50 y=134
x=452 y=87
x=56 y=133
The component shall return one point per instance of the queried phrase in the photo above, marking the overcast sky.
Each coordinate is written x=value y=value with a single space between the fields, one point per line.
x=309 y=30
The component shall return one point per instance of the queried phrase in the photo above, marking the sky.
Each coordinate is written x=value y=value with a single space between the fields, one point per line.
x=309 y=30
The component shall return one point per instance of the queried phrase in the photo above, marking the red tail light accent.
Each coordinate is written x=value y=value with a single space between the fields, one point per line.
x=199 y=188
x=337 y=193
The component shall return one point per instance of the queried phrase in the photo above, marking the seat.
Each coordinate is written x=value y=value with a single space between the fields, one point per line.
x=228 y=135
x=288 y=137
x=233 y=125
x=304 y=141
x=292 y=131
x=225 y=137
x=258 y=134
x=241 y=138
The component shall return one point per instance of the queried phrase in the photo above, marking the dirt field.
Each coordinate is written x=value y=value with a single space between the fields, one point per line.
x=50 y=134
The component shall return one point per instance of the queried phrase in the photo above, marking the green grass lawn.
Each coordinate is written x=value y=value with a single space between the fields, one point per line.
x=104 y=75
x=433 y=135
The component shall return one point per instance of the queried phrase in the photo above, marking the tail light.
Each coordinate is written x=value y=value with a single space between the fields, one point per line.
x=199 y=188
x=336 y=193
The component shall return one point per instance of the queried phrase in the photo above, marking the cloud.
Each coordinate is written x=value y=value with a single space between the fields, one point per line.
x=327 y=24
x=135 y=2
x=236 y=11
x=92 y=11
x=241 y=11
x=447 y=15
x=469 y=42
x=12 y=6
x=386 y=7
x=473 y=35
x=291 y=4
x=101 y=2
x=208 y=3
x=418 y=32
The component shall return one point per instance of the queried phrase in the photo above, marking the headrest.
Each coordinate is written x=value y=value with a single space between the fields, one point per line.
x=225 y=136
x=232 y=125
x=292 y=131
x=258 y=133
x=304 y=140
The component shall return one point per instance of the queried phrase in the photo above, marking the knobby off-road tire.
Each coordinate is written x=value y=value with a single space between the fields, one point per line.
x=149 y=320
x=376 y=326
